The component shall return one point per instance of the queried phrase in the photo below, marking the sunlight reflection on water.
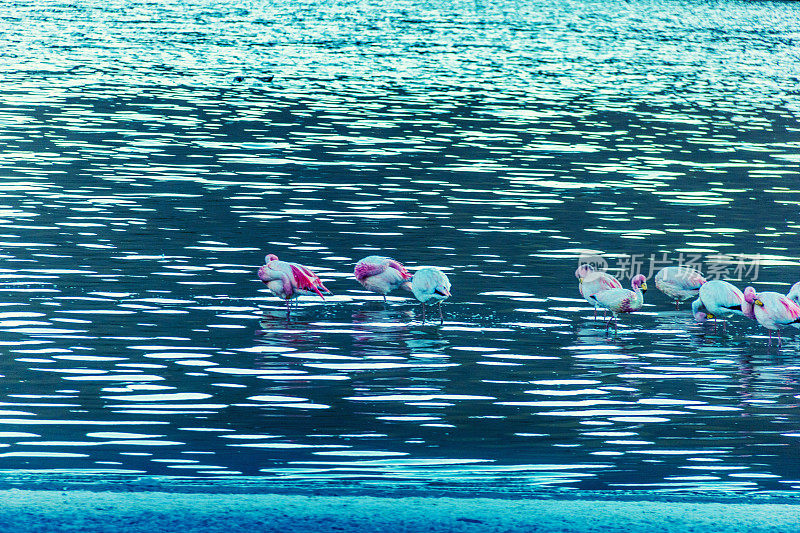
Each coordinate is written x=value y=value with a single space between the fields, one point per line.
x=142 y=184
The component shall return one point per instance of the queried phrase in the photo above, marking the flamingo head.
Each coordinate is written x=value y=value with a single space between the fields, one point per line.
x=699 y=311
x=639 y=282
x=750 y=295
x=583 y=271
x=270 y=257
x=794 y=292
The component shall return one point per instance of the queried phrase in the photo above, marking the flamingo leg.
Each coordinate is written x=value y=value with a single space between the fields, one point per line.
x=780 y=341
x=423 y=313
x=595 y=312
x=677 y=305
x=384 y=298
x=288 y=308
x=770 y=336
x=441 y=317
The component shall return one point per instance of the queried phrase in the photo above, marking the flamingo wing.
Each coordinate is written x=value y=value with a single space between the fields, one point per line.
x=694 y=281
x=305 y=279
x=400 y=268
x=720 y=297
x=611 y=299
x=609 y=282
x=683 y=278
x=366 y=270
x=792 y=308
x=775 y=310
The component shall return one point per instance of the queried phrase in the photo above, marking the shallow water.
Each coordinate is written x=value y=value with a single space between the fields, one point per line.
x=141 y=186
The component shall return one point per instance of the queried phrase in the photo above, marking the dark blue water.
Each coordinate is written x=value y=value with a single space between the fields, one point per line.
x=142 y=183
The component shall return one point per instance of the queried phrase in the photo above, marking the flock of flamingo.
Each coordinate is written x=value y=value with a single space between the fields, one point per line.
x=377 y=274
x=714 y=298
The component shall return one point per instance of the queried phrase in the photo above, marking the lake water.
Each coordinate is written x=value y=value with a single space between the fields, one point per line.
x=142 y=183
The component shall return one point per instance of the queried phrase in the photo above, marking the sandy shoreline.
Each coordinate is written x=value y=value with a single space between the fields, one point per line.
x=80 y=510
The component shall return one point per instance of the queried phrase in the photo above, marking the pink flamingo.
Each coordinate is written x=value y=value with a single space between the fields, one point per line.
x=679 y=283
x=382 y=275
x=773 y=310
x=622 y=300
x=290 y=280
x=592 y=282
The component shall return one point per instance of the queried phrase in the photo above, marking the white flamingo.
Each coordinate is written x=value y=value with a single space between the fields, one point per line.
x=591 y=282
x=430 y=284
x=718 y=298
x=679 y=283
x=622 y=300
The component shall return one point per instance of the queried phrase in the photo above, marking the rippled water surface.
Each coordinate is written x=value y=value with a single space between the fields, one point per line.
x=149 y=163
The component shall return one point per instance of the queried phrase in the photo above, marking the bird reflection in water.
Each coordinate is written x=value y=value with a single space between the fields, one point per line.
x=390 y=333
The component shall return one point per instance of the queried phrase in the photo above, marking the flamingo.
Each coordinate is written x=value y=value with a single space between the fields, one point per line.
x=773 y=310
x=430 y=284
x=290 y=280
x=622 y=300
x=382 y=275
x=679 y=283
x=719 y=298
x=591 y=282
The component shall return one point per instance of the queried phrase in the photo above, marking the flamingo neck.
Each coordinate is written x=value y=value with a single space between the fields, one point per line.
x=748 y=309
x=638 y=298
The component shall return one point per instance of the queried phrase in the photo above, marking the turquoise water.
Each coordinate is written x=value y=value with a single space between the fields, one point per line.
x=153 y=153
